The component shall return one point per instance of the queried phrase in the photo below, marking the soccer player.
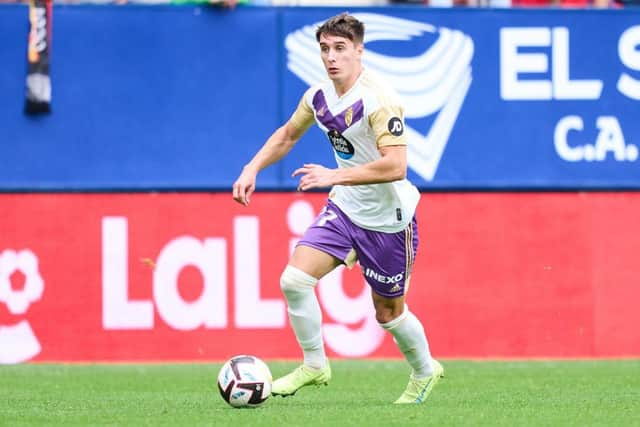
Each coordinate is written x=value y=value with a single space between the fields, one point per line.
x=370 y=213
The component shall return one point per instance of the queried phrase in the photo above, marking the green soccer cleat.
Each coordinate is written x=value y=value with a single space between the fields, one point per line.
x=300 y=377
x=418 y=390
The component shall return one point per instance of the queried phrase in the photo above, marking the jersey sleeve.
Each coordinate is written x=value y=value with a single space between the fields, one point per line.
x=303 y=117
x=387 y=123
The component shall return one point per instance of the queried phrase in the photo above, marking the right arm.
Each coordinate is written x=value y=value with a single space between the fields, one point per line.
x=276 y=147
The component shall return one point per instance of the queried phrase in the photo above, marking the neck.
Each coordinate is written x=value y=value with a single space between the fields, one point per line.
x=343 y=87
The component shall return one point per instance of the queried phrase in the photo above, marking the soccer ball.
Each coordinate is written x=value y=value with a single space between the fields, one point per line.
x=245 y=381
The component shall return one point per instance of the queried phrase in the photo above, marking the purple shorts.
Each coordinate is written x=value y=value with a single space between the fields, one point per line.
x=386 y=259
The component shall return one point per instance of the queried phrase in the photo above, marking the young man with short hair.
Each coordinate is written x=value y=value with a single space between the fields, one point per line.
x=370 y=214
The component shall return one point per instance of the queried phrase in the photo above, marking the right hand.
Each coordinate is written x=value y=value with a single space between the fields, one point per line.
x=244 y=187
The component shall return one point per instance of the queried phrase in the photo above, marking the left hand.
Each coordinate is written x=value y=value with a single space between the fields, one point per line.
x=314 y=176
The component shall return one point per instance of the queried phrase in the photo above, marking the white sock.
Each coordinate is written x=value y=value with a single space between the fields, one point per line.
x=304 y=314
x=409 y=335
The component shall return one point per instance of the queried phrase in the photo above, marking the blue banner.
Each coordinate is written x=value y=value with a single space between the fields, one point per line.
x=142 y=98
x=182 y=97
x=499 y=98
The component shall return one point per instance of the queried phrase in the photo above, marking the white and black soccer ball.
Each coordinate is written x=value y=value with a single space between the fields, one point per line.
x=245 y=381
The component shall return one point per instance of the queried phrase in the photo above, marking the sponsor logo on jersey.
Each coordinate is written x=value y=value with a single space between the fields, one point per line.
x=344 y=149
x=395 y=126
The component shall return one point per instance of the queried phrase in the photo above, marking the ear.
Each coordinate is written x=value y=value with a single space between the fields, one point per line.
x=360 y=48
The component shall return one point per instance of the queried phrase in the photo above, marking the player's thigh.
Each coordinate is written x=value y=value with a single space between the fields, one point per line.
x=325 y=244
x=313 y=261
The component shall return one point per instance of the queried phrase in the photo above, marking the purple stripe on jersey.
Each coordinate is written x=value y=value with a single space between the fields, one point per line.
x=336 y=122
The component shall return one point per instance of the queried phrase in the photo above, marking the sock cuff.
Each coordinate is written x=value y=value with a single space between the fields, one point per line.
x=294 y=276
x=311 y=343
x=395 y=322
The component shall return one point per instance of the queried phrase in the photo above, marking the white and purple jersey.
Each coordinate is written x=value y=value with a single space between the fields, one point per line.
x=357 y=124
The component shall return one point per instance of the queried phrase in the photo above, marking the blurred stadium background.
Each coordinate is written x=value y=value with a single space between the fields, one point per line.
x=116 y=218
x=123 y=125
x=119 y=240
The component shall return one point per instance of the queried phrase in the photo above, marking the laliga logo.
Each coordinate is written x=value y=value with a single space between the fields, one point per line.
x=431 y=85
x=18 y=343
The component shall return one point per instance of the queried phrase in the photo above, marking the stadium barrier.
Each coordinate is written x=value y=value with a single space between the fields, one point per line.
x=150 y=98
x=161 y=277
x=166 y=98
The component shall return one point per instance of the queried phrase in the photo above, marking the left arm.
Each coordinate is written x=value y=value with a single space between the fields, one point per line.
x=391 y=166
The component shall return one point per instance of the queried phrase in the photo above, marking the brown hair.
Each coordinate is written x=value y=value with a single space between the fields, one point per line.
x=343 y=25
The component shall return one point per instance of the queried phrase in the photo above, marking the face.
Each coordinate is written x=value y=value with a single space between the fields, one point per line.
x=341 y=58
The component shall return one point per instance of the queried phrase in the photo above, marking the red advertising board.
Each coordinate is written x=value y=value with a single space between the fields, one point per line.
x=163 y=277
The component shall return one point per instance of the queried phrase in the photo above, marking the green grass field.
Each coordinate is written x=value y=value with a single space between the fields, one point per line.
x=496 y=393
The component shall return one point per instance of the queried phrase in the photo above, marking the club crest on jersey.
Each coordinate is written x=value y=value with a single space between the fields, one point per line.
x=348 y=117
x=344 y=149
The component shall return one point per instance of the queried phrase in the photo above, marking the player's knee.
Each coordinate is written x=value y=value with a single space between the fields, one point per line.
x=389 y=309
x=294 y=281
x=384 y=316
x=390 y=317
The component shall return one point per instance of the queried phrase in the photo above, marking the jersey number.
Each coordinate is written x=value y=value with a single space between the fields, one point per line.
x=327 y=215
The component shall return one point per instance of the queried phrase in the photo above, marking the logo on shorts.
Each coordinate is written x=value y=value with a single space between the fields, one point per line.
x=344 y=149
x=395 y=126
x=386 y=280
